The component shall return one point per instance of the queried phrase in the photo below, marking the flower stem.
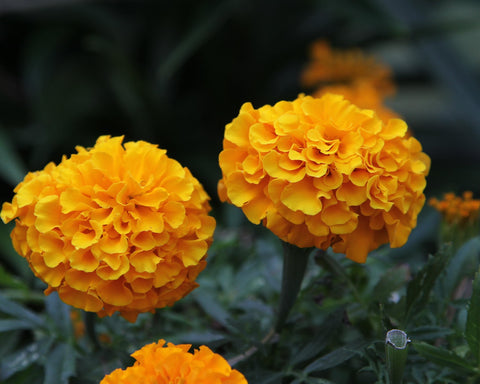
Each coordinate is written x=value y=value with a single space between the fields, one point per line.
x=295 y=262
x=396 y=343
x=90 y=319
x=250 y=351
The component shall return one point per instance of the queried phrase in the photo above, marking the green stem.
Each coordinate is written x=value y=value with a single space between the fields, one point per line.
x=90 y=319
x=396 y=343
x=295 y=262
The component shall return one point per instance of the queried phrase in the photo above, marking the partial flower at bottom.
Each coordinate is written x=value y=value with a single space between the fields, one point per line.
x=322 y=172
x=159 y=364
x=113 y=228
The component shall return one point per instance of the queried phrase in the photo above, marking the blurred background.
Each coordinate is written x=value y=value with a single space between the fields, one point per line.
x=175 y=72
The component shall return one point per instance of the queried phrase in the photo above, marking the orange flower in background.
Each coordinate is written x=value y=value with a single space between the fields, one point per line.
x=345 y=67
x=157 y=364
x=321 y=172
x=458 y=210
x=113 y=228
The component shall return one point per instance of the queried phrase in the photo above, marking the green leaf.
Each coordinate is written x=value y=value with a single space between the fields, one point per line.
x=60 y=364
x=20 y=312
x=319 y=342
x=7 y=325
x=420 y=287
x=336 y=357
x=12 y=170
x=7 y=280
x=463 y=263
x=472 y=329
x=444 y=358
x=391 y=280
x=59 y=312
x=212 y=307
x=22 y=359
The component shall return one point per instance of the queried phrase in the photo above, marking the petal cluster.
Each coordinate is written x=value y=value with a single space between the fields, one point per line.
x=321 y=172
x=460 y=210
x=157 y=364
x=117 y=227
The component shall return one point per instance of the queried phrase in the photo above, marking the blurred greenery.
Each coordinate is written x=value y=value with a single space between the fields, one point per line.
x=174 y=73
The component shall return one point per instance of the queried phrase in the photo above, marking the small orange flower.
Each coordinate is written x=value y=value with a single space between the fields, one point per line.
x=321 y=172
x=337 y=67
x=156 y=364
x=113 y=228
x=458 y=210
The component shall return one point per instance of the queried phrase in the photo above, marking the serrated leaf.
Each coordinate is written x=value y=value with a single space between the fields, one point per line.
x=336 y=357
x=20 y=312
x=60 y=364
x=22 y=359
x=444 y=358
x=420 y=287
x=472 y=329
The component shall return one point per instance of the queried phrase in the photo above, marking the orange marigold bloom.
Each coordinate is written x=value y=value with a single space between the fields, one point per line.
x=156 y=364
x=321 y=172
x=113 y=228
x=457 y=210
x=344 y=67
x=363 y=94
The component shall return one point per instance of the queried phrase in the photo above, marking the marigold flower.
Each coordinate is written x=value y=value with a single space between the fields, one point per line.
x=157 y=364
x=113 y=228
x=344 y=67
x=321 y=172
x=457 y=210
x=361 y=93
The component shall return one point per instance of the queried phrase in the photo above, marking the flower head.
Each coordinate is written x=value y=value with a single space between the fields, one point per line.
x=458 y=210
x=157 y=364
x=345 y=67
x=113 y=228
x=321 y=172
x=363 y=94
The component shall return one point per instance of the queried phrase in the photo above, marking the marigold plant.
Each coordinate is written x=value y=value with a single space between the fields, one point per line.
x=321 y=172
x=113 y=228
x=157 y=364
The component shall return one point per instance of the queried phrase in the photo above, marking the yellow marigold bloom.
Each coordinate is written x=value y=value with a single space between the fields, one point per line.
x=344 y=67
x=321 y=172
x=457 y=210
x=157 y=364
x=113 y=228
x=363 y=94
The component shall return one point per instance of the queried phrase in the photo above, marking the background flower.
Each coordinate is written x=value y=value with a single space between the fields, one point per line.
x=460 y=210
x=174 y=364
x=329 y=66
x=113 y=228
x=323 y=172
